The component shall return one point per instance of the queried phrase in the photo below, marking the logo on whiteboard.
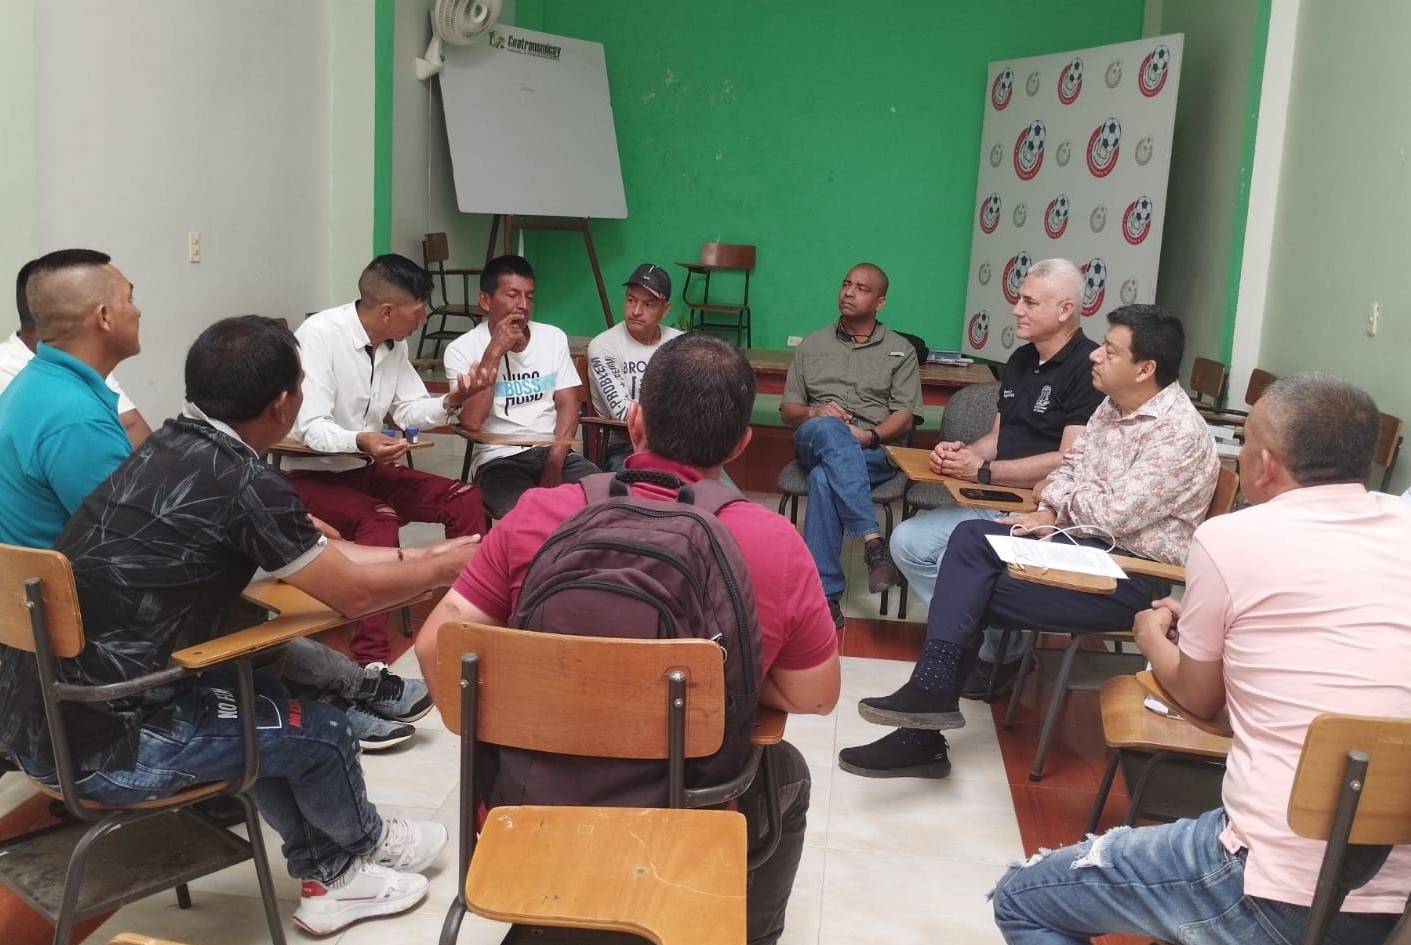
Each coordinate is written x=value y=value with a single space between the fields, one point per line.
x=989 y=213
x=1056 y=217
x=1152 y=76
x=1103 y=147
x=979 y=330
x=1070 y=82
x=1136 y=221
x=1094 y=286
x=1029 y=151
x=1014 y=272
x=1001 y=89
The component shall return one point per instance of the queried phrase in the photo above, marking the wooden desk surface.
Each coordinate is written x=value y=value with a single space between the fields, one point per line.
x=295 y=448
x=917 y=466
x=1220 y=725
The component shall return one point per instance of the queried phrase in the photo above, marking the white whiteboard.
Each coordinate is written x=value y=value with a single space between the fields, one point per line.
x=530 y=126
x=1074 y=157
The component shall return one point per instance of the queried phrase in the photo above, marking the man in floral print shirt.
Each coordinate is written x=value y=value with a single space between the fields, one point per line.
x=1143 y=472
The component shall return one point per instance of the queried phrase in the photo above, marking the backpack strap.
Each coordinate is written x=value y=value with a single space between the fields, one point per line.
x=708 y=495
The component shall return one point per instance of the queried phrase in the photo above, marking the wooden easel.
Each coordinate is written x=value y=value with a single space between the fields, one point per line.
x=511 y=223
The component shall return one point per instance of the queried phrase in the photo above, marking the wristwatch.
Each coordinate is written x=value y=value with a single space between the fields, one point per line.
x=983 y=476
x=876 y=440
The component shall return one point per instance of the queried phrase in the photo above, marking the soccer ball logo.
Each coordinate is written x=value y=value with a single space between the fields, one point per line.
x=1152 y=77
x=1001 y=89
x=1006 y=337
x=1128 y=292
x=1056 y=217
x=1032 y=84
x=1021 y=214
x=1070 y=82
x=1136 y=222
x=989 y=213
x=996 y=155
x=1145 y=149
x=983 y=275
x=1113 y=78
x=1014 y=273
x=1103 y=147
x=1062 y=153
x=979 y=330
x=1029 y=151
x=1098 y=218
x=1094 y=286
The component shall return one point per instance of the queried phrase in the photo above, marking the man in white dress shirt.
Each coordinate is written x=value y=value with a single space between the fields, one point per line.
x=357 y=372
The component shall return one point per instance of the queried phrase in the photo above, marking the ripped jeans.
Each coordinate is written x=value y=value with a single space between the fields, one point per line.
x=1175 y=882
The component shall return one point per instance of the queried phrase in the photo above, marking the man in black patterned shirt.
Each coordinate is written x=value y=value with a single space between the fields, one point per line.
x=161 y=551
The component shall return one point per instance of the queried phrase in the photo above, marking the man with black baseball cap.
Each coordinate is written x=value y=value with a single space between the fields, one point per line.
x=618 y=357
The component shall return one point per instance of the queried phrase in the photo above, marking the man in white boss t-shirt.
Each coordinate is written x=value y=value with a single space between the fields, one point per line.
x=618 y=357
x=534 y=396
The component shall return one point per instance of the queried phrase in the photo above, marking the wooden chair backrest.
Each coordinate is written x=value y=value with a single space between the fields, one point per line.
x=580 y=695
x=1208 y=378
x=435 y=248
x=1384 y=812
x=18 y=565
x=1388 y=440
x=1227 y=486
x=728 y=255
x=1258 y=380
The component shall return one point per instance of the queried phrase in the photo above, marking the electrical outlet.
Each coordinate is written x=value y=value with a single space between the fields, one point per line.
x=1373 y=319
x=193 y=246
x=794 y=341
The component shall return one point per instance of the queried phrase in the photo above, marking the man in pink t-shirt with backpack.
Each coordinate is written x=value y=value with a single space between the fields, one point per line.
x=1294 y=607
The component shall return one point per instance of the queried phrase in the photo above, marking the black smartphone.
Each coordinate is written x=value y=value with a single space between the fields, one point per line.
x=991 y=495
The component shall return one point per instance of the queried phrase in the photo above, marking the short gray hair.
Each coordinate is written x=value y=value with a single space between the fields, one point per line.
x=1063 y=274
x=1323 y=427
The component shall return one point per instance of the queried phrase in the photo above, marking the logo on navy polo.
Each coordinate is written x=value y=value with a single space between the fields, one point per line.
x=1136 y=221
x=989 y=213
x=1103 y=147
x=1151 y=78
x=1056 y=217
x=1094 y=285
x=1001 y=89
x=1045 y=398
x=1070 y=82
x=1029 y=150
x=1014 y=272
x=979 y=330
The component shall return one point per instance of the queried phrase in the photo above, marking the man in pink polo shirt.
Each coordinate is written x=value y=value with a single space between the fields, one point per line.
x=692 y=416
x=1294 y=607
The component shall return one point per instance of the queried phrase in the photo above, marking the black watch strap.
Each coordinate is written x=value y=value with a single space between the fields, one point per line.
x=876 y=441
x=984 y=474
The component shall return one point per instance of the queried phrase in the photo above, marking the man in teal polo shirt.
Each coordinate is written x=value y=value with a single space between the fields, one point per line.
x=59 y=429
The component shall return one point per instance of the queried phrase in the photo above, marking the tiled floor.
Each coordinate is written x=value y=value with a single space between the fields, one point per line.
x=898 y=861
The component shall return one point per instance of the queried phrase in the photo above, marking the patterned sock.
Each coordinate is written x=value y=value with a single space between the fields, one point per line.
x=938 y=666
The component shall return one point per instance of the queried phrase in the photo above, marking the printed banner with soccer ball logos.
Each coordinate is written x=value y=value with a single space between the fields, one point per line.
x=1074 y=157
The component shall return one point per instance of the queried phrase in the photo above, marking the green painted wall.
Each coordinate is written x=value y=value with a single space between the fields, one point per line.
x=824 y=132
x=1344 y=203
x=19 y=231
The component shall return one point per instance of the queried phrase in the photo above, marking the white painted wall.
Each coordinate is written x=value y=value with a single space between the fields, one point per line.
x=162 y=116
x=19 y=236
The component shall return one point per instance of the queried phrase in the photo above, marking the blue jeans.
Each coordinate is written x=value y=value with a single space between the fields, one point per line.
x=310 y=789
x=919 y=543
x=1175 y=882
x=841 y=475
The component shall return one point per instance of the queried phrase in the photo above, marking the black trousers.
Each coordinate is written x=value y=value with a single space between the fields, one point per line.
x=767 y=893
x=503 y=481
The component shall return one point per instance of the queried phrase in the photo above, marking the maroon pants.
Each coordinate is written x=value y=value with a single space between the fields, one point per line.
x=349 y=501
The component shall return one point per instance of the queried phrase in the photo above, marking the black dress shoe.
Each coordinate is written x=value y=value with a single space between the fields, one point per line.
x=889 y=757
x=977 y=685
x=835 y=610
x=912 y=707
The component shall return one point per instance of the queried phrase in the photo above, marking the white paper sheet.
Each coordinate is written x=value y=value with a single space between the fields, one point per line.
x=1054 y=556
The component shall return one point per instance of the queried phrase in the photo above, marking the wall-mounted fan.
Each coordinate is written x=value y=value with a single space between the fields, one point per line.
x=458 y=22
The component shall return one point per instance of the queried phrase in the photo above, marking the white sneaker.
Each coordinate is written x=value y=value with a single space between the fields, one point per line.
x=371 y=891
x=408 y=846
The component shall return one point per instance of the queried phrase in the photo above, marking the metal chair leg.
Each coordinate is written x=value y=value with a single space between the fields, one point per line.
x=1104 y=788
x=1026 y=667
x=1004 y=636
x=1055 y=705
x=262 y=873
x=183 y=897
